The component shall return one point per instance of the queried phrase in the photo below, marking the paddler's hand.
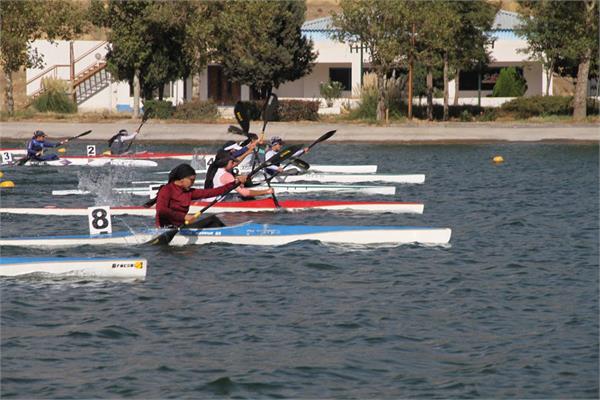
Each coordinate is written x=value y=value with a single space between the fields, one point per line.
x=241 y=179
x=189 y=218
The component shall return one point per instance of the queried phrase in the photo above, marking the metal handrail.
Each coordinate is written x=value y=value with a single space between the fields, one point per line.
x=47 y=70
x=90 y=51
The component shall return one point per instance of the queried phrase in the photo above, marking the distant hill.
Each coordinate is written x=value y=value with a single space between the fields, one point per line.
x=324 y=8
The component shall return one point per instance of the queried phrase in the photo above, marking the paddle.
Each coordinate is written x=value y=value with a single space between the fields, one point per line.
x=235 y=130
x=241 y=115
x=300 y=163
x=23 y=160
x=144 y=119
x=166 y=236
x=269 y=111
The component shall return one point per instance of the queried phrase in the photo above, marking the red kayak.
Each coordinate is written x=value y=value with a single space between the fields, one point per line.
x=261 y=205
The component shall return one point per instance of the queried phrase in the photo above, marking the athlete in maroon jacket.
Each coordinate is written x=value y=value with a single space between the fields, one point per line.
x=174 y=198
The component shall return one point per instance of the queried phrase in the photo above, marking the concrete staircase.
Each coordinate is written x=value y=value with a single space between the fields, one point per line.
x=91 y=81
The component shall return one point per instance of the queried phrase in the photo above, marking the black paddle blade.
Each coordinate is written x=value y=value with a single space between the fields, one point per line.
x=23 y=160
x=163 y=238
x=284 y=154
x=241 y=115
x=78 y=136
x=235 y=130
x=270 y=109
x=300 y=164
x=322 y=138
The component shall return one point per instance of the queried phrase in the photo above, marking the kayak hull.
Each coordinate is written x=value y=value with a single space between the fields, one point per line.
x=94 y=162
x=254 y=234
x=89 y=267
x=279 y=188
x=351 y=178
x=262 y=205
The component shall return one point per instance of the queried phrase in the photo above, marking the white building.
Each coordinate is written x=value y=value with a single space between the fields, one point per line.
x=336 y=61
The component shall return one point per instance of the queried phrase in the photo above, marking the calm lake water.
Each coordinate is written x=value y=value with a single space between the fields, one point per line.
x=508 y=310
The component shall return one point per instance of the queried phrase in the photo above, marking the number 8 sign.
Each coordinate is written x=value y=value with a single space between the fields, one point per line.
x=99 y=220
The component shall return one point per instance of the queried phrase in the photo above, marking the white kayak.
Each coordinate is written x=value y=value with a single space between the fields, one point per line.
x=342 y=169
x=253 y=234
x=93 y=162
x=350 y=178
x=142 y=155
x=279 y=188
x=87 y=267
x=261 y=205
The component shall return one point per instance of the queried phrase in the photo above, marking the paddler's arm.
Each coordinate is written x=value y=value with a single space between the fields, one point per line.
x=163 y=212
x=214 y=192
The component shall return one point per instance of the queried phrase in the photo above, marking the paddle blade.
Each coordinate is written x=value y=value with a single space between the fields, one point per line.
x=235 y=130
x=322 y=138
x=163 y=238
x=241 y=115
x=23 y=160
x=270 y=109
x=300 y=164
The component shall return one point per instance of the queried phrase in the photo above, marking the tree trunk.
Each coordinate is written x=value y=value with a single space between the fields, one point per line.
x=456 y=86
x=445 y=86
x=549 y=78
x=410 y=88
x=8 y=93
x=429 y=94
x=136 y=93
x=161 y=92
x=196 y=87
x=381 y=100
x=579 y=103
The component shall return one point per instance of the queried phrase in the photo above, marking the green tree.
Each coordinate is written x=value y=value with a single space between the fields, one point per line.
x=544 y=30
x=578 y=43
x=23 y=21
x=470 y=40
x=509 y=84
x=435 y=27
x=260 y=44
x=381 y=26
x=147 y=43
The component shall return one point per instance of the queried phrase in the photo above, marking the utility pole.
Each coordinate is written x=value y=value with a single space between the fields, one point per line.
x=410 y=74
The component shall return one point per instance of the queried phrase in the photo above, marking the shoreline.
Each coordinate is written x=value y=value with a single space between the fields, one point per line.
x=431 y=133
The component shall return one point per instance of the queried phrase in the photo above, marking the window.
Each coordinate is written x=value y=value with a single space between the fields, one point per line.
x=342 y=75
x=468 y=79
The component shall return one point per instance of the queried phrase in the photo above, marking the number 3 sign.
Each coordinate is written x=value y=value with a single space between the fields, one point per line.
x=99 y=219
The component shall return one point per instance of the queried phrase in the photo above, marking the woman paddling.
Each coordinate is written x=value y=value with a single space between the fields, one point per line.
x=174 y=199
x=275 y=145
x=220 y=173
x=36 y=146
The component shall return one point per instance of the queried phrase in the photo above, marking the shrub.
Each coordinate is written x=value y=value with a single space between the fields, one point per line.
x=196 y=109
x=160 y=109
x=369 y=97
x=465 y=116
x=297 y=110
x=464 y=112
x=525 y=107
x=509 y=84
x=330 y=91
x=55 y=97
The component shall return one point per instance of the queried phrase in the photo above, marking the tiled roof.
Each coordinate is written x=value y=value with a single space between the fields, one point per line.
x=319 y=24
x=504 y=20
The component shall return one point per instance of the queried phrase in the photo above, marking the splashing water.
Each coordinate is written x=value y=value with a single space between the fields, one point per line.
x=100 y=184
